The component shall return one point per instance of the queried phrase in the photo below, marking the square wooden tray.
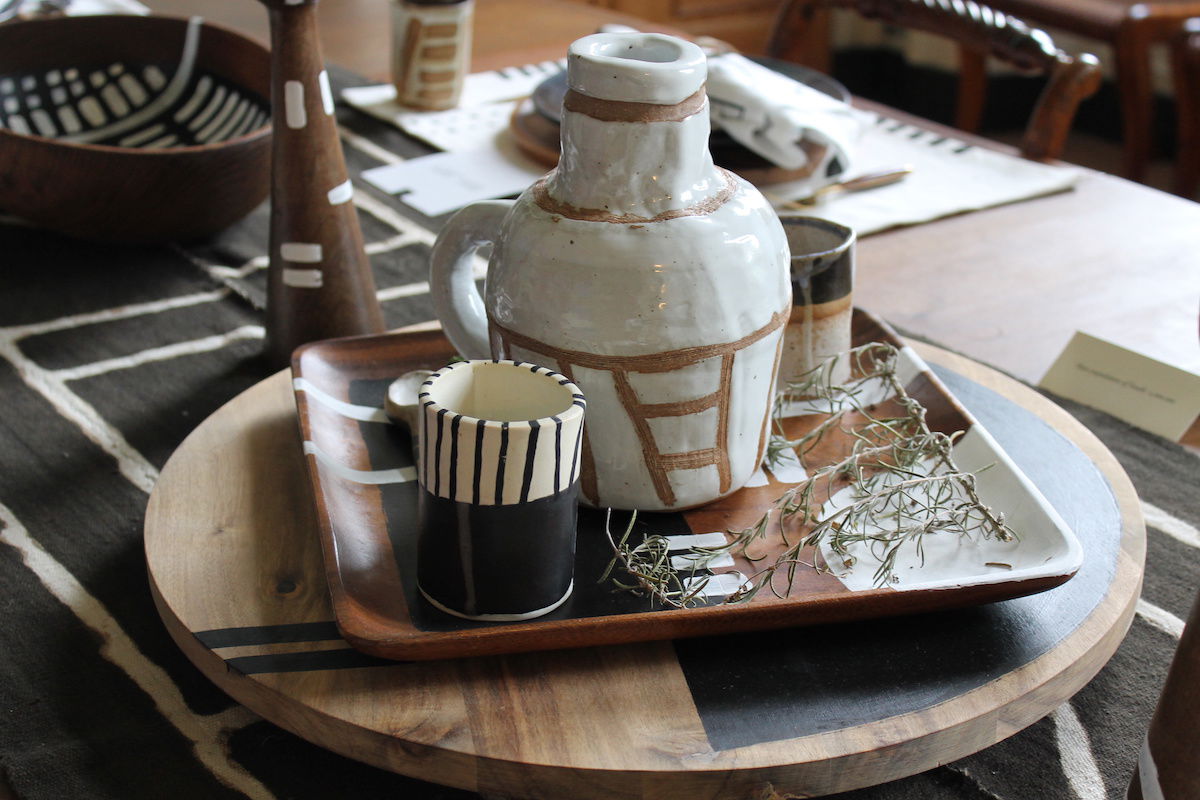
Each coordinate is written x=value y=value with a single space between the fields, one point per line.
x=365 y=490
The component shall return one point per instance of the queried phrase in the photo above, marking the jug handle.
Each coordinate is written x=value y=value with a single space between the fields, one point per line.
x=451 y=279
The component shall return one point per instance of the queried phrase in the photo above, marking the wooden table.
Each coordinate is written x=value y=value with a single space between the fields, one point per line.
x=235 y=568
x=1008 y=286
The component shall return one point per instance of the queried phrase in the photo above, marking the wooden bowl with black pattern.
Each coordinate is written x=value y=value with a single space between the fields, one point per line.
x=133 y=129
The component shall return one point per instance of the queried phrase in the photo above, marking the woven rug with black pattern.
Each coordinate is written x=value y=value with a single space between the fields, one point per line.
x=110 y=355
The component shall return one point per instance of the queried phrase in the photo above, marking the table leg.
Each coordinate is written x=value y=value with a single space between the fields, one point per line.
x=1185 y=63
x=972 y=90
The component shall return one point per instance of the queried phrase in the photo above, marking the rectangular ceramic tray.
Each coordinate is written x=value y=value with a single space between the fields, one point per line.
x=364 y=485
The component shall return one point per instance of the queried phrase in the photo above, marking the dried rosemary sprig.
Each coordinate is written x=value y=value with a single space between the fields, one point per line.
x=648 y=567
x=901 y=484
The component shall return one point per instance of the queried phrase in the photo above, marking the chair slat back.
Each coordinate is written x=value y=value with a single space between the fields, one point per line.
x=979 y=31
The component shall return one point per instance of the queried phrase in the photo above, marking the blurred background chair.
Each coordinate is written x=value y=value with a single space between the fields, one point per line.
x=981 y=32
x=1131 y=27
x=1185 y=59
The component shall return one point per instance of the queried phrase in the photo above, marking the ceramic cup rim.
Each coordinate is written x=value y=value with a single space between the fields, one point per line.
x=573 y=408
x=625 y=66
x=847 y=234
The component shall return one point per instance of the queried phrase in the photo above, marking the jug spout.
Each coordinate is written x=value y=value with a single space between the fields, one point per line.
x=635 y=130
x=649 y=68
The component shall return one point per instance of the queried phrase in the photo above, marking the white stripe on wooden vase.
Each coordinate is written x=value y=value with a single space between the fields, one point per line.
x=326 y=92
x=293 y=104
x=300 y=252
x=341 y=193
x=303 y=278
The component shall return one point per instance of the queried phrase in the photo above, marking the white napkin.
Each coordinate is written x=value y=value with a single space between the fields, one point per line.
x=772 y=114
x=949 y=177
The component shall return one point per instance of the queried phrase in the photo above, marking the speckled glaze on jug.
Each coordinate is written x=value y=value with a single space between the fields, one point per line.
x=656 y=281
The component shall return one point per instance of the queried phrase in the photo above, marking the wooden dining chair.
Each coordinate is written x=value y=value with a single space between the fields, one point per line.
x=1131 y=28
x=980 y=32
x=1185 y=60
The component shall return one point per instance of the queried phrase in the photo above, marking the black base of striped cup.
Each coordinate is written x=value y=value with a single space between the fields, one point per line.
x=498 y=563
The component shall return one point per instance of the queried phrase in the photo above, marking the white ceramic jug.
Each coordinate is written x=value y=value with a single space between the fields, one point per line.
x=653 y=279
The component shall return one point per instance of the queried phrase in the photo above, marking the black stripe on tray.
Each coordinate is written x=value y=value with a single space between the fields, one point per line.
x=269 y=634
x=344 y=658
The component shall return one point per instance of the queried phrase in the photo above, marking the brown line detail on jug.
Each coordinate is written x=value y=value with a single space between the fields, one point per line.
x=628 y=111
x=551 y=205
x=657 y=464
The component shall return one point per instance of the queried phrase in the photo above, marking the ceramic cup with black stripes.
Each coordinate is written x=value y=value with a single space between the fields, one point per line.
x=499 y=475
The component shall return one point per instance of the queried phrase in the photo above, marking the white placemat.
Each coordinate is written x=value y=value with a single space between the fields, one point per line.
x=487 y=103
x=949 y=177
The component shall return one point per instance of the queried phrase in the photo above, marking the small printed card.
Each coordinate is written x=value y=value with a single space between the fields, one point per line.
x=1145 y=392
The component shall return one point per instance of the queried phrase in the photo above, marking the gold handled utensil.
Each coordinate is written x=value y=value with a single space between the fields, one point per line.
x=869 y=180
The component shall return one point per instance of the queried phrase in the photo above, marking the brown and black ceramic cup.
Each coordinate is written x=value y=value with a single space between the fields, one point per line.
x=822 y=300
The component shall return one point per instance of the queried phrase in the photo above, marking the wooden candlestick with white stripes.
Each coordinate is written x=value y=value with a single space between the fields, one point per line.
x=319 y=283
x=1168 y=766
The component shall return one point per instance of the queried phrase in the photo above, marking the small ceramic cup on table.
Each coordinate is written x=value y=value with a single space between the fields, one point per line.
x=822 y=300
x=431 y=51
x=499 y=475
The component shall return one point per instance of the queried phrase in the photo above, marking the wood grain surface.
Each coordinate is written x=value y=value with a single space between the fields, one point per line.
x=368 y=537
x=236 y=571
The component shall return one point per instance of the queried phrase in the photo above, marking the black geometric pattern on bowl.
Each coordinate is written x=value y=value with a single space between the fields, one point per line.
x=131 y=105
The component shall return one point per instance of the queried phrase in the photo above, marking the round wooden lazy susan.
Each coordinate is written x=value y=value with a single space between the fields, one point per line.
x=236 y=570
